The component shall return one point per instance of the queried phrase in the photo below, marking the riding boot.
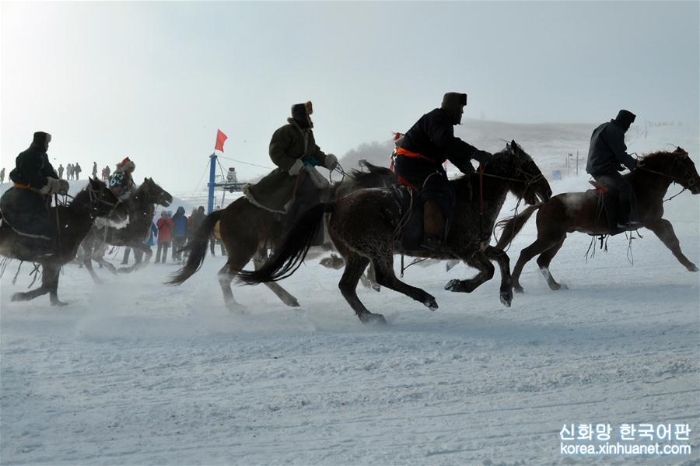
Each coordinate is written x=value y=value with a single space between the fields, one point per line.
x=433 y=220
x=306 y=195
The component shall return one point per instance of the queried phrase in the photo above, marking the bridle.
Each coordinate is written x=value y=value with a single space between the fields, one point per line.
x=525 y=177
x=688 y=178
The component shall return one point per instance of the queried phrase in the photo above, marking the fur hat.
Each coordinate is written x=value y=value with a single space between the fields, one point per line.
x=41 y=138
x=301 y=113
x=126 y=165
x=452 y=103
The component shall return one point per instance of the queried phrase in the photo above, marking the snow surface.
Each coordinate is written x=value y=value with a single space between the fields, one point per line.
x=135 y=372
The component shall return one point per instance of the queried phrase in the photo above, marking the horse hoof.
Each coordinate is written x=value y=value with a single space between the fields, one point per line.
x=17 y=297
x=452 y=285
x=58 y=303
x=693 y=268
x=370 y=318
x=506 y=299
x=518 y=289
x=430 y=303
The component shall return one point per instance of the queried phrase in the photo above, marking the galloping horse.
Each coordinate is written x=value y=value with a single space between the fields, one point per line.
x=247 y=232
x=582 y=211
x=141 y=206
x=76 y=219
x=365 y=227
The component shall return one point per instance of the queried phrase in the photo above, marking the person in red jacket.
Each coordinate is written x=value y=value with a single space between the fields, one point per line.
x=165 y=225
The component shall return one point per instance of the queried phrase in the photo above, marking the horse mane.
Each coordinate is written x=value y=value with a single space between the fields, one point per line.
x=658 y=155
x=366 y=179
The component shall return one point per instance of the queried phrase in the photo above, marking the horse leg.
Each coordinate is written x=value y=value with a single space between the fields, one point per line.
x=539 y=246
x=544 y=260
x=258 y=261
x=49 y=280
x=481 y=261
x=49 y=284
x=664 y=230
x=355 y=265
x=226 y=276
x=384 y=269
x=87 y=262
x=369 y=279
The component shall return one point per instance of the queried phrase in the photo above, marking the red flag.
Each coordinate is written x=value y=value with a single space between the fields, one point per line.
x=220 y=140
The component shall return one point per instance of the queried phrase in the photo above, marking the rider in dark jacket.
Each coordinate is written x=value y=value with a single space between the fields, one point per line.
x=25 y=205
x=423 y=150
x=607 y=156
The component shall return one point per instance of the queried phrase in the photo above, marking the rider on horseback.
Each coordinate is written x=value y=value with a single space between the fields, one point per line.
x=607 y=156
x=121 y=182
x=295 y=185
x=419 y=158
x=25 y=206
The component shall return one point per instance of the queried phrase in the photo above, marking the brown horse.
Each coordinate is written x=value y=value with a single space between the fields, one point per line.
x=247 y=232
x=366 y=225
x=141 y=206
x=583 y=212
x=76 y=219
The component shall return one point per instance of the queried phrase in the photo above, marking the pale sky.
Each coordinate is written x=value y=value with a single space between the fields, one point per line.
x=154 y=81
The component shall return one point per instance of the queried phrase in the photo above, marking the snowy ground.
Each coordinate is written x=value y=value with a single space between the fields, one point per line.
x=135 y=372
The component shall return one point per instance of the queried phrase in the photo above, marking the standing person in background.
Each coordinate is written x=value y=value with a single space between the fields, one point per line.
x=60 y=171
x=77 y=170
x=165 y=226
x=69 y=171
x=179 y=233
x=94 y=170
x=2 y=175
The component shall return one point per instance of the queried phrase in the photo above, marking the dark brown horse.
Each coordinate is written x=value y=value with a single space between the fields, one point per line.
x=582 y=212
x=365 y=227
x=76 y=219
x=141 y=206
x=247 y=232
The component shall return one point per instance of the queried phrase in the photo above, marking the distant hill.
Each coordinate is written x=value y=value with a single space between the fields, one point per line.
x=548 y=143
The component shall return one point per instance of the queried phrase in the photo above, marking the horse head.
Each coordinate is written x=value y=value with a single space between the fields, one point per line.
x=676 y=165
x=103 y=202
x=154 y=193
x=528 y=181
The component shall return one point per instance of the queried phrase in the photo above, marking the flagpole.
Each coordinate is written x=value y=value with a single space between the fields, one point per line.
x=212 y=174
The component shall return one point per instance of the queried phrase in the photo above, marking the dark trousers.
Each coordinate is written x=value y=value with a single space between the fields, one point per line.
x=620 y=201
x=162 y=248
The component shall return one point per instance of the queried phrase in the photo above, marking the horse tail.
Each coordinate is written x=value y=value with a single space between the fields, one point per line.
x=510 y=227
x=198 y=249
x=290 y=254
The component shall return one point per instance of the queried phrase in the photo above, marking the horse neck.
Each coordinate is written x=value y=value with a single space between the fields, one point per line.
x=646 y=181
x=488 y=194
x=75 y=221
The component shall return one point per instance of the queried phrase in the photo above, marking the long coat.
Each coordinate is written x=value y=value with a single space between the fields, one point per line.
x=32 y=167
x=288 y=144
x=608 y=150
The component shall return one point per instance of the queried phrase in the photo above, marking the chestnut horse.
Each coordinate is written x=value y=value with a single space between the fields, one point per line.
x=247 y=232
x=366 y=226
x=583 y=212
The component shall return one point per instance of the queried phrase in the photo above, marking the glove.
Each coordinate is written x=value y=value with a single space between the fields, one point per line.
x=51 y=187
x=296 y=168
x=481 y=156
x=331 y=162
x=63 y=187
